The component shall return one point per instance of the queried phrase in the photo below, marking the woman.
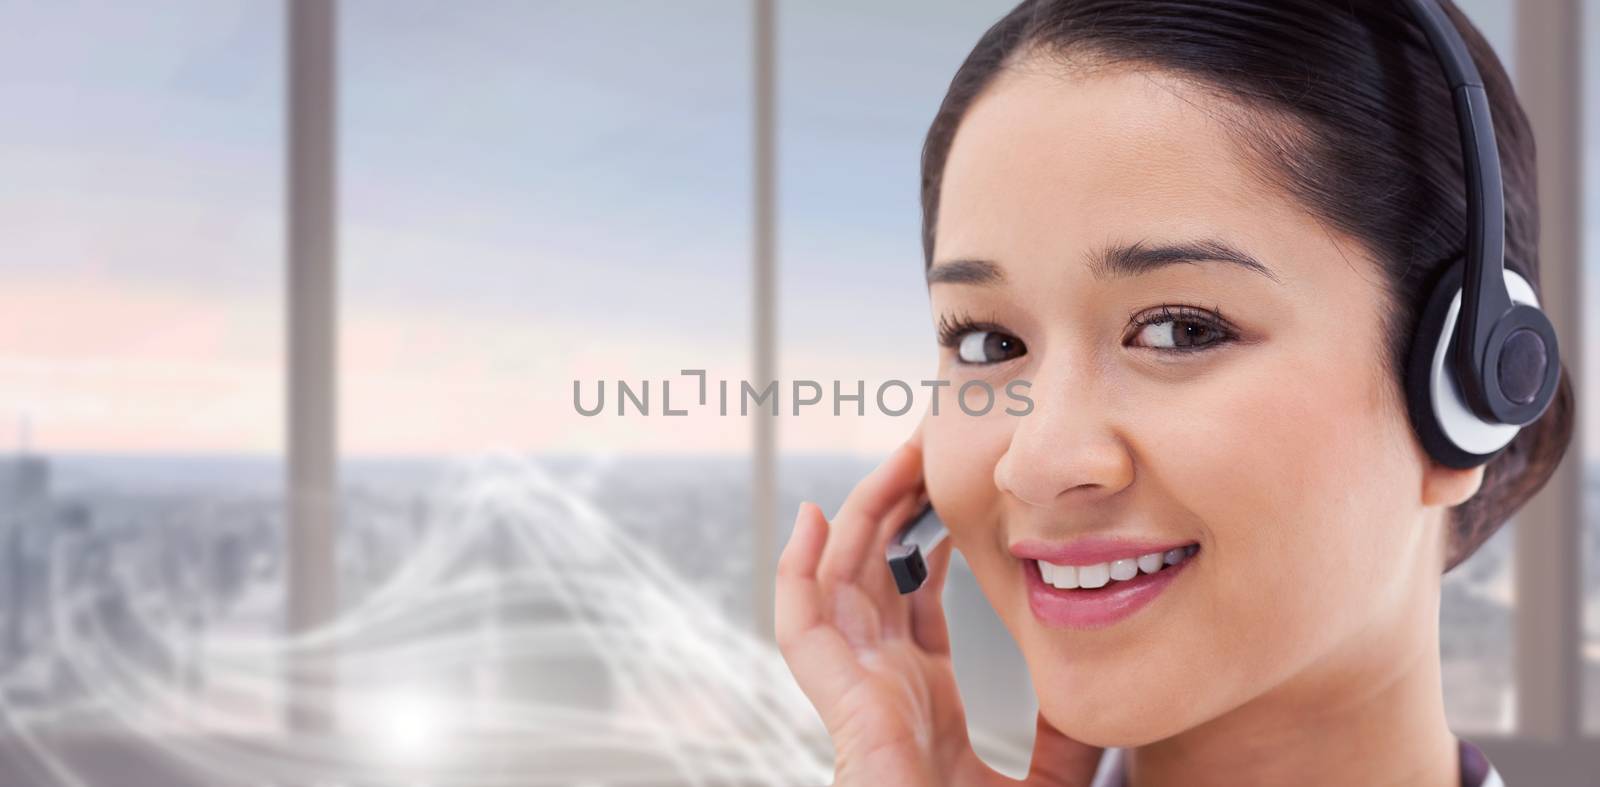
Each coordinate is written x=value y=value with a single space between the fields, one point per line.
x=1204 y=232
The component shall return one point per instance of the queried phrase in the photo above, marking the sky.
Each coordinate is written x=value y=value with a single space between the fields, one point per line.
x=530 y=193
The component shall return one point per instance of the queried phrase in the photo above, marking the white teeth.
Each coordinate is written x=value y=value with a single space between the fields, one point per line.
x=1125 y=568
x=1100 y=574
x=1064 y=577
x=1150 y=563
x=1094 y=576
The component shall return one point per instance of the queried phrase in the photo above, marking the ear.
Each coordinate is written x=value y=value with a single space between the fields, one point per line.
x=1448 y=486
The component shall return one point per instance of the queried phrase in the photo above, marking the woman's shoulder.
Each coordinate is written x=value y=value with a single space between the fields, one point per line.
x=1476 y=770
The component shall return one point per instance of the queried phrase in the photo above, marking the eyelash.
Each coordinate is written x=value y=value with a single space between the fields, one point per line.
x=952 y=329
x=1211 y=319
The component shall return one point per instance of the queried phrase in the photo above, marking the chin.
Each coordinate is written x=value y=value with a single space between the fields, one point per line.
x=1101 y=712
x=1116 y=728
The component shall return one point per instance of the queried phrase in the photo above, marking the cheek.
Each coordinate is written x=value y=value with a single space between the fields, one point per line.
x=959 y=456
x=960 y=453
x=1304 y=489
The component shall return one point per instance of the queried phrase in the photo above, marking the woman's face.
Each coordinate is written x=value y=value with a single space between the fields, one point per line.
x=1275 y=440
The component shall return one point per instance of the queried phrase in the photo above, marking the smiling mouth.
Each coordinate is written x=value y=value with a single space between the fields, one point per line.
x=1087 y=596
x=1111 y=574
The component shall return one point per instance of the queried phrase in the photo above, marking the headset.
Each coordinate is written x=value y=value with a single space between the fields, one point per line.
x=1484 y=360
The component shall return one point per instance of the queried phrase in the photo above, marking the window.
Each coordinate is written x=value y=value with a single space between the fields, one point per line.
x=141 y=359
x=535 y=195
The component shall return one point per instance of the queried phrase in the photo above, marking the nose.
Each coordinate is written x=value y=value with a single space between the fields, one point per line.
x=1063 y=448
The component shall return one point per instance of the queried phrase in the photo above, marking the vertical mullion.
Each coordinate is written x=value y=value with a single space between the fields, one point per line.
x=763 y=295
x=312 y=296
x=1549 y=564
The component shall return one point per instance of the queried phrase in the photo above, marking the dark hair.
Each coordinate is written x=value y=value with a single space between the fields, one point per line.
x=1343 y=106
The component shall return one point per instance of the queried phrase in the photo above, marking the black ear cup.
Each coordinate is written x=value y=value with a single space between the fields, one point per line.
x=1450 y=431
x=1524 y=366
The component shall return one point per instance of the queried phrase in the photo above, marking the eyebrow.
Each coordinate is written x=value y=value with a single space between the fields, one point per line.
x=1118 y=261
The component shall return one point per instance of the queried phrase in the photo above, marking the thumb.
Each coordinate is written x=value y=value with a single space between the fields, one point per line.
x=1060 y=761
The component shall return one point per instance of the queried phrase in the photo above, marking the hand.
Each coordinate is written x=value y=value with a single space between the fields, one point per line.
x=875 y=663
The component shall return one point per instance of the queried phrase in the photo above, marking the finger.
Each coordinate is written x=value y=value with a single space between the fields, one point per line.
x=929 y=626
x=1060 y=761
x=798 y=602
x=822 y=661
x=806 y=541
x=856 y=526
x=844 y=606
x=824 y=667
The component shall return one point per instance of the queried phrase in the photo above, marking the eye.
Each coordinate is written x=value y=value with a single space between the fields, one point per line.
x=1183 y=329
x=978 y=343
x=988 y=347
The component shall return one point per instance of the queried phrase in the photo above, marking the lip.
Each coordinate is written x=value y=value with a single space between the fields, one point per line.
x=1097 y=608
x=1089 y=551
